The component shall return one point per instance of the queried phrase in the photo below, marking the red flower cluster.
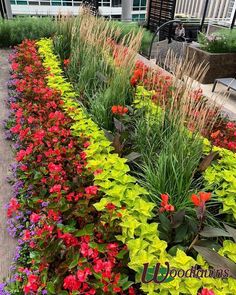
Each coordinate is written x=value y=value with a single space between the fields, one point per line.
x=165 y=206
x=224 y=131
x=66 y=63
x=119 y=110
x=157 y=80
x=12 y=207
x=66 y=234
x=32 y=284
x=224 y=135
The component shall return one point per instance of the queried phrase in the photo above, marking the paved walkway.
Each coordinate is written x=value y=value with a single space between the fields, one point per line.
x=7 y=244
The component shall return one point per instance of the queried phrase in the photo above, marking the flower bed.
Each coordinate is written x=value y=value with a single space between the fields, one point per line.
x=84 y=224
x=143 y=244
x=64 y=245
x=223 y=132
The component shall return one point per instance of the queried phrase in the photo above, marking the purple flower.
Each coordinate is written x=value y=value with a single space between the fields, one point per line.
x=44 y=204
x=2 y=289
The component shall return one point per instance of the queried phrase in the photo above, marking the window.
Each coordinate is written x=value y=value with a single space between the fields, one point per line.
x=118 y=17
x=116 y=3
x=105 y=3
x=138 y=17
x=56 y=3
x=67 y=3
x=139 y=5
x=21 y=2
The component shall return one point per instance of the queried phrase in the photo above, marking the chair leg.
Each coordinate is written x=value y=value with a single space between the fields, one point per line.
x=214 y=86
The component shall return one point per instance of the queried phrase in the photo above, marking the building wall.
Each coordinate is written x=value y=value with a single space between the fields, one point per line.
x=217 y=9
x=109 y=8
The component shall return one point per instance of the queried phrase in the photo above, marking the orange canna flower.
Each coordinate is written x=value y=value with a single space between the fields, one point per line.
x=200 y=199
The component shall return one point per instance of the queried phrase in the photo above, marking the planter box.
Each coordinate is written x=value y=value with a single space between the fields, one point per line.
x=221 y=65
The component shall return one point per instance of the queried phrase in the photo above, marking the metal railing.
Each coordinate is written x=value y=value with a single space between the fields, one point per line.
x=218 y=9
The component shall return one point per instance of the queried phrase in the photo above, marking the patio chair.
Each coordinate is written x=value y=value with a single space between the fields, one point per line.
x=230 y=83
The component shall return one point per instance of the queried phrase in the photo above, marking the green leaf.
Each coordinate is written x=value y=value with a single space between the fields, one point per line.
x=86 y=231
x=99 y=247
x=121 y=254
x=126 y=285
x=173 y=250
x=165 y=222
x=181 y=233
x=74 y=263
x=37 y=175
x=51 y=288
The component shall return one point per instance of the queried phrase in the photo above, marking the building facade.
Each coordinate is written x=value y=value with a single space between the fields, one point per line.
x=217 y=9
x=108 y=8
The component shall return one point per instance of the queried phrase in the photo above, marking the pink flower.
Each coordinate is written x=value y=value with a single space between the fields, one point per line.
x=230 y=125
x=206 y=291
x=20 y=155
x=91 y=190
x=13 y=207
x=83 y=155
x=54 y=168
x=86 y=144
x=98 y=171
x=16 y=128
x=34 y=218
x=30 y=120
x=83 y=274
x=55 y=189
x=71 y=283
x=23 y=168
x=26 y=235
x=14 y=66
x=39 y=135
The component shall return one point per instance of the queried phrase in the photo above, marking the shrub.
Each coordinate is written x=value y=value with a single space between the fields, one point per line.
x=222 y=41
x=126 y=28
x=14 y=31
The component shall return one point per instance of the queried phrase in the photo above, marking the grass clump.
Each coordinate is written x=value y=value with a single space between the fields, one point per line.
x=101 y=63
x=14 y=31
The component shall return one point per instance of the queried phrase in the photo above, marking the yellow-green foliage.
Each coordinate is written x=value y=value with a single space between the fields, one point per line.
x=220 y=177
x=120 y=188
